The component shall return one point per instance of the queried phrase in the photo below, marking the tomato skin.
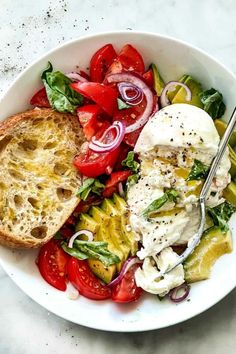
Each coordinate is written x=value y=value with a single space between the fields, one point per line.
x=103 y=96
x=124 y=149
x=92 y=164
x=101 y=61
x=148 y=78
x=90 y=118
x=127 y=290
x=117 y=177
x=40 y=99
x=52 y=262
x=84 y=75
x=114 y=180
x=128 y=59
x=129 y=116
x=81 y=276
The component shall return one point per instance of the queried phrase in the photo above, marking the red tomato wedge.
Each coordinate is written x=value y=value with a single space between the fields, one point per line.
x=128 y=59
x=127 y=290
x=40 y=99
x=101 y=61
x=124 y=149
x=93 y=164
x=148 y=78
x=80 y=275
x=90 y=117
x=52 y=262
x=104 y=96
x=128 y=116
x=114 y=180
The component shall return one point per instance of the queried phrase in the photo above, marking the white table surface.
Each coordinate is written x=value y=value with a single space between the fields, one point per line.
x=27 y=30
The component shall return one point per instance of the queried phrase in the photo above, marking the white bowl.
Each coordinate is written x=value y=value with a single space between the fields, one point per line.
x=174 y=58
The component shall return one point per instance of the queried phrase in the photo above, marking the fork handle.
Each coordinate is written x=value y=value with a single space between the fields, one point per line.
x=221 y=149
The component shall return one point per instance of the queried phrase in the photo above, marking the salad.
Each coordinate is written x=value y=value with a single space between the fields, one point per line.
x=149 y=145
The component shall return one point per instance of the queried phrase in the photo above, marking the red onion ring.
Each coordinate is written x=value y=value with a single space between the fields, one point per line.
x=127 y=265
x=99 y=146
x=76 y=77
x=170 y=86
x=72 y=292
x=121 y=190
x=173 y=294
x=140 y=84
x=88 y=233
x=137 y=98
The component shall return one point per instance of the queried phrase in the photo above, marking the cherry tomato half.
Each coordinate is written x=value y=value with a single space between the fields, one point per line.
x=114 y=180
x=101 y=61
x=40 y=99
x=93 y=164
x=104 y=96
x=52 y=262
x=127 y=290
x=80 y=275
x=128 y=59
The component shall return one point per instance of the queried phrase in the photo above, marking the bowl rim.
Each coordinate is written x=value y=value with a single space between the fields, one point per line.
x=121 y=32
x=81 y=39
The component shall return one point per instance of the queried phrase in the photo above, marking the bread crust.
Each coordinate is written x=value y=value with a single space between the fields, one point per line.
x=8 y=127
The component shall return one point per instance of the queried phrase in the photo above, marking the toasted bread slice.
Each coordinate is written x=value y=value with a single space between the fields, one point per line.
x=38 y=182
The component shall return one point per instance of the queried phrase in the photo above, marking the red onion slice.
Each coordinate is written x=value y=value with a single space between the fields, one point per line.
x=121 y=190
x=170 y=86
x=173 y=294
x=99 y=146
x=127 y=265
x=76 y=77
x=140 y=84
x=71 y=292
x=134 y=100
x=88 y=233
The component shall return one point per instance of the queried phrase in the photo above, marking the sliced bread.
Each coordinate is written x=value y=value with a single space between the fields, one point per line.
x=38 y=182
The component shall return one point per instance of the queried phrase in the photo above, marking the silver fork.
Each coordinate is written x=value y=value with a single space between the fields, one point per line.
x=194 y=241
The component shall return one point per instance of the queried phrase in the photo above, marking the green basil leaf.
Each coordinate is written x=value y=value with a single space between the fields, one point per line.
x=130 y=162
x=97 y=187
x=58 y=236
x=198 y=171
x=90 y=185
x=221 y=214
x=169 y=196
x=213 y=104
x=74 y=252
x=92 y=250
x=132 y=180
x=122 y=105
x=60 y=95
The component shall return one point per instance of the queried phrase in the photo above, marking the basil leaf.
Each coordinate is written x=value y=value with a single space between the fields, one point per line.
x=169 y=196
x=58 y=236
x=132 y=180
x=74 y=252
x=92 y=250
x=198 y=171
x=213 y=104
x=122 y=105
x=90 y=185
x=221 y=214
x=130 y=162
x=60 y=95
